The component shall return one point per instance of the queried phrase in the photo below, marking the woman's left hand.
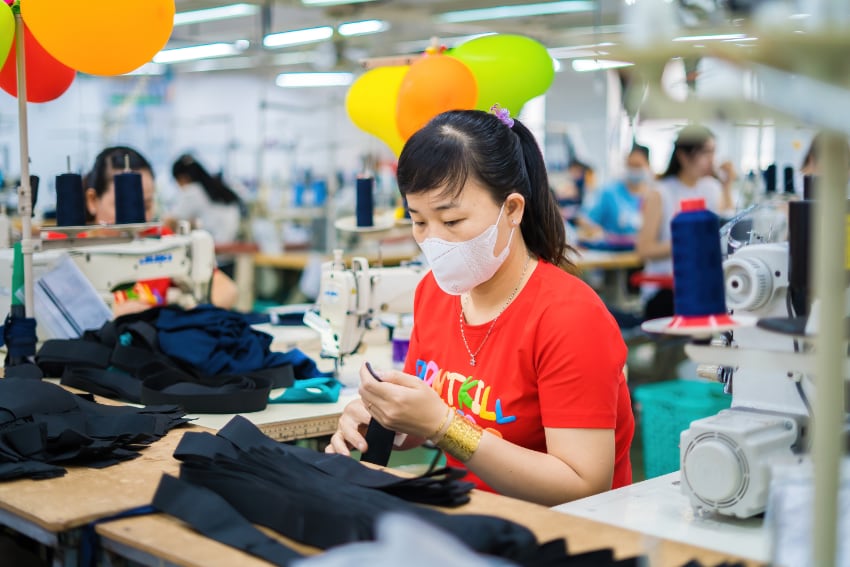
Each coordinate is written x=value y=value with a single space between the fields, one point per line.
x=402 y=402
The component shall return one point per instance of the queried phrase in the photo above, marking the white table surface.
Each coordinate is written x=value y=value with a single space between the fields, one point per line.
x=657 y=508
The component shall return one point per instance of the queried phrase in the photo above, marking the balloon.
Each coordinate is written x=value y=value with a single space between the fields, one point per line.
x=47 y=78
x=435 y=83
x=101 y=37
x=371 y=104
x=7 y=30
x=510 y=69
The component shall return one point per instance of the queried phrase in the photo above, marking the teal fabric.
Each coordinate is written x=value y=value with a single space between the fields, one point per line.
x=321 y=390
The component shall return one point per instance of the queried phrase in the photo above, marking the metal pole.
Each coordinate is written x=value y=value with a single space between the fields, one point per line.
x=24 y=191
x=829 y=280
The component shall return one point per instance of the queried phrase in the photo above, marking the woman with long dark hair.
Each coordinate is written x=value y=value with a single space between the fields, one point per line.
x=690 y=175
x=204 y=200
x=515 y=366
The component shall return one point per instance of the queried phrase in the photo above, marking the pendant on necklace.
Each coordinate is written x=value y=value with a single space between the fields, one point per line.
x=472 y=361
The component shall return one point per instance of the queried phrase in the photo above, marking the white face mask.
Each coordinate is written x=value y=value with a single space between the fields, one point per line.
x=460 y=266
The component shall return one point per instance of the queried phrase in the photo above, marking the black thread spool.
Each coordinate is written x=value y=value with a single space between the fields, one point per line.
x=799 y=250
x=365 y=201
x=698 y=283
x=70 y=200
x=770 y=179
x=129 y=196
x=788 y=180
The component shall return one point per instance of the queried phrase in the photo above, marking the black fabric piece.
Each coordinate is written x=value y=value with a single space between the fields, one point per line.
x=213 y=517
x=25 y=370
x=18 y=334
x=44 y=426
x=106 y=383
x=441 y=487
x=224 y=394
x=379 y=441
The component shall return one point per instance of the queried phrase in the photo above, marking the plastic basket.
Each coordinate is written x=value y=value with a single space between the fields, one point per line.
x=668 y=408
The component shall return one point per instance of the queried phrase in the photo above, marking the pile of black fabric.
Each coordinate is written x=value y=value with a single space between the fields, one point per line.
x=239 y=477
x=43 y=426
x=208 y=360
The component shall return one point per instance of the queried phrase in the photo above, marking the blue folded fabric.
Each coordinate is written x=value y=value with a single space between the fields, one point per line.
x=217 y=341
x=321 y=390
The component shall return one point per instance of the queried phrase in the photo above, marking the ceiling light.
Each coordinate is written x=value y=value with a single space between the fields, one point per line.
x=517 y=11
x=149 y=69
x=298 y=37
x=363 y=28
x=213 y=14
x=295 y=80
x=584 y=65
x=205 y=51
x=715 y=37
x=332 y=2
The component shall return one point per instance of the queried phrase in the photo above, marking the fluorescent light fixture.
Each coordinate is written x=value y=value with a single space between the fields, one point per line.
x=716 y=37
x=517 y=11
x=363 y=28
x=298 y=37
x=295 y=80
x=584 y=65
x=332 y=2
x=148 y=69
x=206 y=51
x=213 y=14
x=800 y=16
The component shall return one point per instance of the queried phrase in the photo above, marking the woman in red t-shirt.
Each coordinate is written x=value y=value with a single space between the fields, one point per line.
x=515 y=366
x=100 y=210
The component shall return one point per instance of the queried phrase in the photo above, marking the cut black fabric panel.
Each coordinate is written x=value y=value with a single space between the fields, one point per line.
x=221 y=394
x=441 y=487
x=43 y=426
x=213 y=517
x=274 y=488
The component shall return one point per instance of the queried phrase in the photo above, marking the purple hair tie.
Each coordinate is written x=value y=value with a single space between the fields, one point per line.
x=503 y=114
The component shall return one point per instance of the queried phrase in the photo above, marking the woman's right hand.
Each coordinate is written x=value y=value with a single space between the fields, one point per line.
x=351 y=431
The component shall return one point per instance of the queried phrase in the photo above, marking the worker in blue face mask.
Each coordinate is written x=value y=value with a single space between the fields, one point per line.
x=613 y=213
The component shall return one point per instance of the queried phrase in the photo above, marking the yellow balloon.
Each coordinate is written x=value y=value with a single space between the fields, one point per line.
x=7 y=31
x=100 y=37
x=371 y=104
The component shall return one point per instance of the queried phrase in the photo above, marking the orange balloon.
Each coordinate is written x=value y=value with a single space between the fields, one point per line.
x=435 y=83
x=101 y=37
x=46 y=78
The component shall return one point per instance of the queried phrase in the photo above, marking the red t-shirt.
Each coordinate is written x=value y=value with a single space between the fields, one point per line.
x=554 y=359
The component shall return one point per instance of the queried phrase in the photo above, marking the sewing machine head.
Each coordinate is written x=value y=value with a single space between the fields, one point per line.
x=351 y=301
x=188 y=260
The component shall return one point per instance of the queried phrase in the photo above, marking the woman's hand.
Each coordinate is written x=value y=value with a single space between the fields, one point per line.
x=402 y=402
x=351 y=430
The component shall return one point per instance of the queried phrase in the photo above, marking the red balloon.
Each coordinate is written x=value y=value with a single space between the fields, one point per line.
x=433 y=84
x=47 y=78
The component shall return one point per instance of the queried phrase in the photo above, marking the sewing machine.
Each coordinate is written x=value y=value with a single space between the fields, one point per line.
x=187 y=259
x=726 y=459
x=351 y=301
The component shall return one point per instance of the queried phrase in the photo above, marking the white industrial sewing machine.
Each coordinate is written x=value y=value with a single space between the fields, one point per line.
x=351 y=300
x=188 y=260
x=726 y=459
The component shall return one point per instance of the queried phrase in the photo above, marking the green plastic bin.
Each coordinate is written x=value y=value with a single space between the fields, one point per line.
x=665 y=409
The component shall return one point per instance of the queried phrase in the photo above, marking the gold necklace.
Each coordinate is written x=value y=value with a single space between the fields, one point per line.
x=511 y=297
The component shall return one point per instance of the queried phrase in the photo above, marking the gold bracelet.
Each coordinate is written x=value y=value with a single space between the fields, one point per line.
x=461 y=439
x=433 y=436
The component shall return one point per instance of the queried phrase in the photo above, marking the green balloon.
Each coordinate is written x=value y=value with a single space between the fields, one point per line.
x=510 y=69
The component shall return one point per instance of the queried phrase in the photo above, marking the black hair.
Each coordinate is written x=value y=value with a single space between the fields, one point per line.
x=110 y=161
x=462 y=144
x=218 y=192
x=690 y=140
x=639 y=149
